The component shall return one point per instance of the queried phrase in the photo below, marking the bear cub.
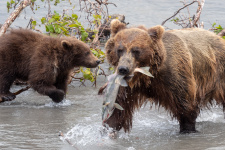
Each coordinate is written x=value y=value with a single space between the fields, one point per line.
x=43 y=61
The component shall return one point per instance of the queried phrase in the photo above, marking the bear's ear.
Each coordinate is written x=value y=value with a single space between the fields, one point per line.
x=110 y=53
x=66 y=44
x=116 y=26
x=156 y=32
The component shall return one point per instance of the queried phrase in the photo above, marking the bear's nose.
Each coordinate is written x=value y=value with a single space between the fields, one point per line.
x=98 y=61
x=123 y=70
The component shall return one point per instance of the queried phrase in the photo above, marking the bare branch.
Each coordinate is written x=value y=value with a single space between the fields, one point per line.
x=197 y=16
x=178 y=12
x=14 y=15
x=49 y=8
x=21 y=90
x=222 y=33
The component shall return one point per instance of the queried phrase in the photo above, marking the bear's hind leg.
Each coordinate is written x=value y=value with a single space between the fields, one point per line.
x=5 y=84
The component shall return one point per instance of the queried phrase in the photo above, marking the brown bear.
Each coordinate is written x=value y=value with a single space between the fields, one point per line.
x=188 y=66
x=44 y=61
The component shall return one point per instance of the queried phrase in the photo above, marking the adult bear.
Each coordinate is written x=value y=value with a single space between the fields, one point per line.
x=44 y=61
x=188 y=66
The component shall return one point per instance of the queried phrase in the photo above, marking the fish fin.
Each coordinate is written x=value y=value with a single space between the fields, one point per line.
x=144 y=71
x=145 y=68
x=118 y=106
x=148 y=74
x=107 y=103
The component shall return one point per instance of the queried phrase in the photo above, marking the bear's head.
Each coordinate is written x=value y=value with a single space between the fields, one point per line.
x=129 y=48
x=79 y=53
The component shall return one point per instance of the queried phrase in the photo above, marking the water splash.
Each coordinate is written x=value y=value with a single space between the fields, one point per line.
x=63 y=103
x=88 y=136
x=90 y=133
x=131 y=148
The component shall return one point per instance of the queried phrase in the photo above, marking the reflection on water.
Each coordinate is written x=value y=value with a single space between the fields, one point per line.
x=32 y=121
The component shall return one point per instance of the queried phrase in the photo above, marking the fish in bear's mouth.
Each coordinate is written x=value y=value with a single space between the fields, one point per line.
x=114 y=82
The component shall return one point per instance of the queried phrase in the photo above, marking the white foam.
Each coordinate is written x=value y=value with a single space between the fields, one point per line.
x=87 y=134
x=216 y=148
x=63 y=103
x=131 y=148
x=213 y=115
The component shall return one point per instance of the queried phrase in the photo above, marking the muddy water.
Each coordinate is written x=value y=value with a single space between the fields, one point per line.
x=32 y=121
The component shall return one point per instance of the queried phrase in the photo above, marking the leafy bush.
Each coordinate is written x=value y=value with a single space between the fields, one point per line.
x=217 y=29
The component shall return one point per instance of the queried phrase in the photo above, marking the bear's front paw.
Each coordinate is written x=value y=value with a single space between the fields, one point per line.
x=57 y=95
x=8 y=97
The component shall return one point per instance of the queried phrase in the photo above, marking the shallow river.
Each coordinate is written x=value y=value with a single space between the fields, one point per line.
x=32 y=121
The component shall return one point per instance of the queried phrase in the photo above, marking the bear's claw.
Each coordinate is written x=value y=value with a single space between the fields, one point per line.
x=9 y=97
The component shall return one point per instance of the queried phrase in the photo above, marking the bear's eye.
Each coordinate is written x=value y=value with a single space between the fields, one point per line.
x=120 y=52
x=87 y=53
x=135 y=53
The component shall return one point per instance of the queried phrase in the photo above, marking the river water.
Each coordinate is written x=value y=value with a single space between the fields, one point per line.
x=34 y=122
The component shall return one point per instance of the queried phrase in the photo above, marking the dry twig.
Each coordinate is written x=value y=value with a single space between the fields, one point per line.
x=222 y=33
x=21 y=90
x=178 y=12
x=197 y=16
x=96 y=7
x=188 y=21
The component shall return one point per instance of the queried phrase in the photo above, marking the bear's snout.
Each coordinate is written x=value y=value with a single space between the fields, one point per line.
x=126 y=65
x=98 y=61
x=123 y=70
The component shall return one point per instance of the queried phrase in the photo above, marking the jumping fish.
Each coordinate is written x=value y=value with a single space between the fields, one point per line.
x=114 y=82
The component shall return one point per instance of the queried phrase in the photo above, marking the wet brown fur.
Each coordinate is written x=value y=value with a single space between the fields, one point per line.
x=43 y=61
x=188 y=67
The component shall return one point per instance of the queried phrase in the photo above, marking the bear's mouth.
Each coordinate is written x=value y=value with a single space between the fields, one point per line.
x=128 y=77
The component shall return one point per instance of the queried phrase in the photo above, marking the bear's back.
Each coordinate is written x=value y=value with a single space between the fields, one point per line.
x=20 y=36
x=202 y=54
x=204 y=48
